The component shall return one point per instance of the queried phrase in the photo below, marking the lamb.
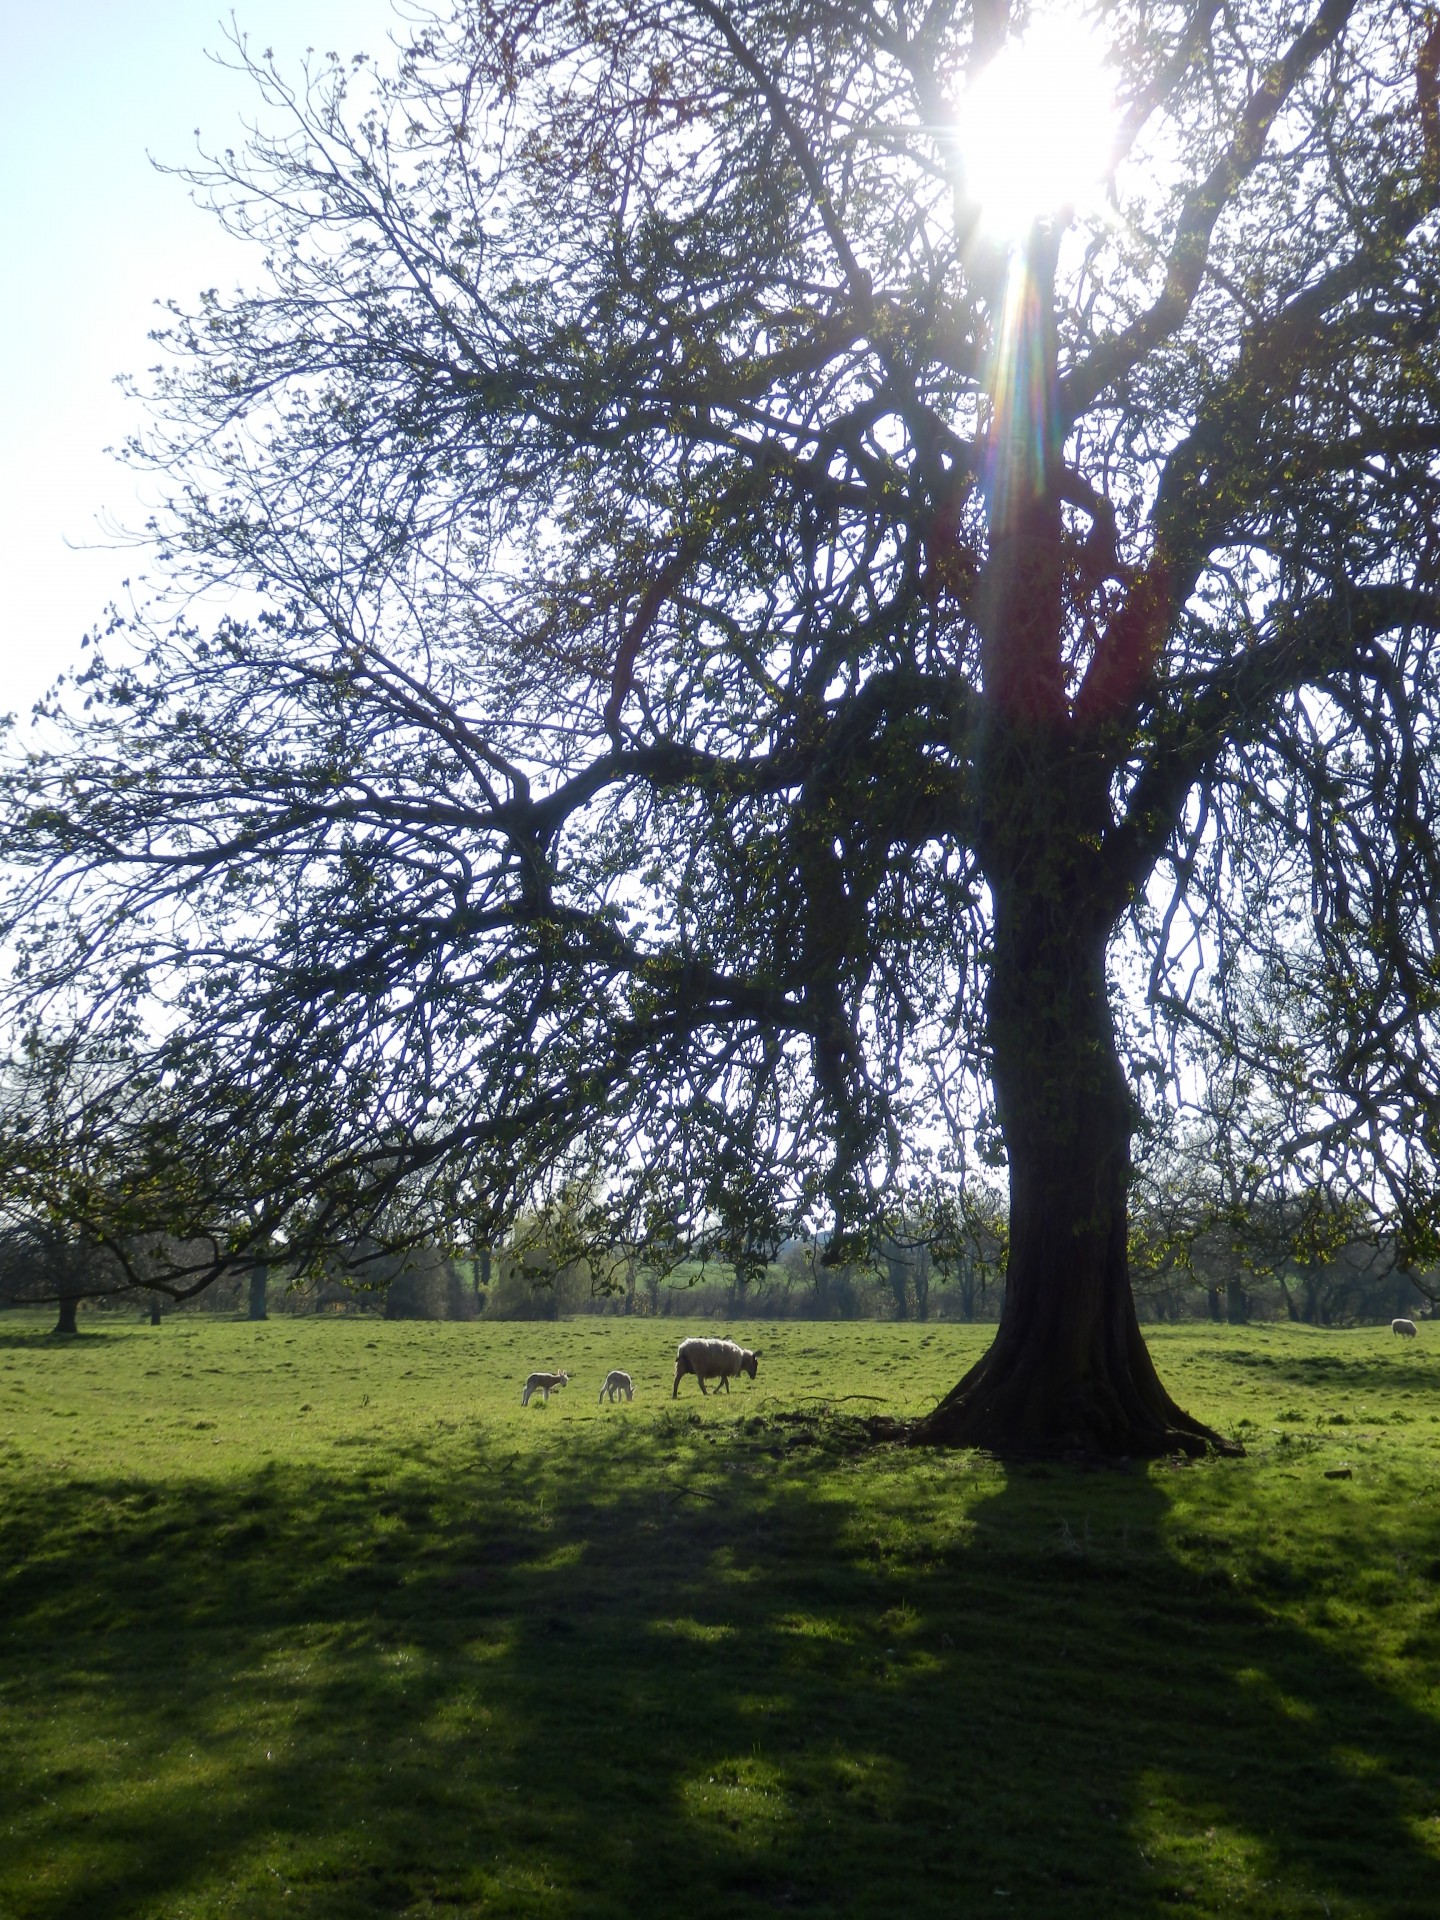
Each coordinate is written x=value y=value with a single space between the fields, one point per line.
x=712 y=1360
x=542 y=1383
x=617 y=1382
x=1405 y=1328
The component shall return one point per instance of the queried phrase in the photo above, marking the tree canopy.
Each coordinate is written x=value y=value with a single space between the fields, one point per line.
x=739 y=691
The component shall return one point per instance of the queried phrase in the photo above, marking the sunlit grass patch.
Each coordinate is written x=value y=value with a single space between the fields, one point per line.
x=744 y=1794
x=704 y=1632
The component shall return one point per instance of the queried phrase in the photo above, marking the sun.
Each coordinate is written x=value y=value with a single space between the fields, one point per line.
x=1036 y=125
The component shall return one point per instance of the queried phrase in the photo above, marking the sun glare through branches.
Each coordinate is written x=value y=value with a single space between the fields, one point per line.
x=1036 y=125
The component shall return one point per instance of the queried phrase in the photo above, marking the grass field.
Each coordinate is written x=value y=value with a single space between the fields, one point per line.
x=310 y=1618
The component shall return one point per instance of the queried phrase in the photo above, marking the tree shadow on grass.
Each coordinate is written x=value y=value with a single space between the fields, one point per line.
x=1395 y=1369
x=727 y=1667
x=36 y=1331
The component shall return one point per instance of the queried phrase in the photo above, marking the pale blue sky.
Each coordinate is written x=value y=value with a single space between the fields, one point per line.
x=90 y=237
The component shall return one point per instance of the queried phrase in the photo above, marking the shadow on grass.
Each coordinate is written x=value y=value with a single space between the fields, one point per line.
x=37 y=1333
x=1396 y=1368
x=727 y=1668
x=44 y=1337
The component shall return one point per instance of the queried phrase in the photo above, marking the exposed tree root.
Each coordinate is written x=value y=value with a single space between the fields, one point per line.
x=1021 y=1411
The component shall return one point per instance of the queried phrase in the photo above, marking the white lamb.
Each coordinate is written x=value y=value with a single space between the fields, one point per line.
x=712 y=1360
x=617 y=1382
x=542 y=1383
x=1405 y=1328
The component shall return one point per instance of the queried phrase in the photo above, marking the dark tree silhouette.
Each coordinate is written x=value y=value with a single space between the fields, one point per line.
x=728 y=668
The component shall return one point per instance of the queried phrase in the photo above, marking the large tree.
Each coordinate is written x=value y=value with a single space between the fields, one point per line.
x=730 y=665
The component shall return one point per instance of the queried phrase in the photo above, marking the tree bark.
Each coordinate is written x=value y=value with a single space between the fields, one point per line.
x=921 y=1276
x=1069 y=1373
x=66 y=1321
x=967 y=1290
x=259 y=1279
x=897 y=1274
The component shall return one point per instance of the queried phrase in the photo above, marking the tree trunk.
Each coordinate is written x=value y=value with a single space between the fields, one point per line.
x=897 y=1274
x=1069 y=1373
x=737 y=1294
x=66 y=1321
x=921 y=1277
x=259 y=1279
x=966 y=1276
x=1406 y=1298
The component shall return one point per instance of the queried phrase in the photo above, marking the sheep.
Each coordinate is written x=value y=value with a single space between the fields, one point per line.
x=712 y=1360
x=542 y=1383
x=1405 y=1328
x=617 y=1382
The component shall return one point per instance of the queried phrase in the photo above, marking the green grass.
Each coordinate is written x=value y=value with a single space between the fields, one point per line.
x=310 y=1617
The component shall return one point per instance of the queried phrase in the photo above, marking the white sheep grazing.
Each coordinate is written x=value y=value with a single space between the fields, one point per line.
x=542 y=1383
x=1406 y=1328
x=617 y=1382
x=712 y=1360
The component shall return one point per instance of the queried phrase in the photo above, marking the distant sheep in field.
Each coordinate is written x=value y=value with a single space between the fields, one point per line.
x=617 y=1382
x=542 y=1383
x=1405 y=1328
x=712 y=1360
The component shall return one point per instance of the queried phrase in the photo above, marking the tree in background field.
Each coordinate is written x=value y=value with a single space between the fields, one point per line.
x=71 y=1180
x=731 y=670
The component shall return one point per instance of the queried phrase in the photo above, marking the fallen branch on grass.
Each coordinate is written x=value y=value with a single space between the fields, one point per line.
x=692 y=1493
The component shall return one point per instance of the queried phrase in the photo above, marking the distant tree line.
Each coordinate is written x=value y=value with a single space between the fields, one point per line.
x=1235 y=1272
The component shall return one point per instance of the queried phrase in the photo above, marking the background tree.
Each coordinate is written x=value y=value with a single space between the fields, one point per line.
x=70 y=1182
x=728 y=663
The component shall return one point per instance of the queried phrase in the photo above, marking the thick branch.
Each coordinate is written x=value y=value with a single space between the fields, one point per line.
x=1235 y=704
